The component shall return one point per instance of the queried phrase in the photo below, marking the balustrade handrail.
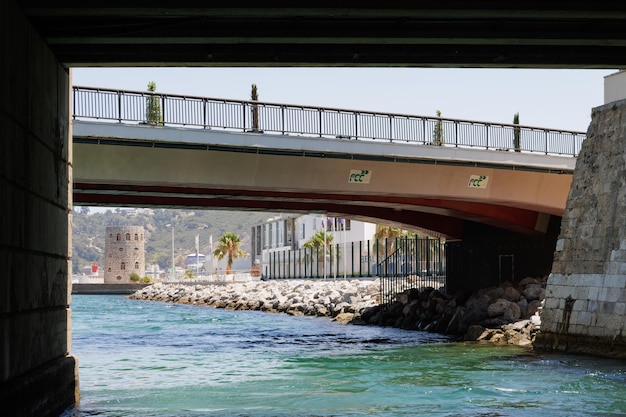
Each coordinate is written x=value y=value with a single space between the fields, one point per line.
x=326 y=122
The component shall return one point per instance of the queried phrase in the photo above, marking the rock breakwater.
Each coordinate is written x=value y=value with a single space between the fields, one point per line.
x=342 y=300
x=504 y=314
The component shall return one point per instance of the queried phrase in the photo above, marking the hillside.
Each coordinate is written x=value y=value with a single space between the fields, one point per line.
x=88 y=231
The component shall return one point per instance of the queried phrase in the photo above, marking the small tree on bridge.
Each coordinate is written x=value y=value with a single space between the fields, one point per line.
x=438 y=138
x=516 y=133
x=254 y=96
x=153 y=106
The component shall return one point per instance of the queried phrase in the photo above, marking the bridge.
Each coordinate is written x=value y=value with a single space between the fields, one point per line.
x=39 y=45
x=416 y=171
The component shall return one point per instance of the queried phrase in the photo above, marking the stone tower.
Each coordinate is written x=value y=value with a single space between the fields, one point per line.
x=124 y=254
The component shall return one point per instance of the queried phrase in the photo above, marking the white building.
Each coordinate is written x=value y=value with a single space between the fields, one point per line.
x=290 y=232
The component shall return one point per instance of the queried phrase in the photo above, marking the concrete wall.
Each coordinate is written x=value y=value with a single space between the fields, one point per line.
x=615 y=87
x=585 y=302
x=37 y=376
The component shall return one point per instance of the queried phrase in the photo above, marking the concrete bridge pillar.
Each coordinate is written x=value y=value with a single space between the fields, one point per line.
x=585 y=305
x=37 y=375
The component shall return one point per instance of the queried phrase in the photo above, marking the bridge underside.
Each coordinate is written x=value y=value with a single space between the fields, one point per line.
x=443 y=217
x=448 y=33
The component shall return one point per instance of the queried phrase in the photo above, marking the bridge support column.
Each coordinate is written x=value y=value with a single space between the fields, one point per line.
x=488 y=256
x=585 y=304
x=37 y=374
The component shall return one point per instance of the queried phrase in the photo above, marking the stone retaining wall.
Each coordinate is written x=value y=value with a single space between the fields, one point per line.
x=586 y=292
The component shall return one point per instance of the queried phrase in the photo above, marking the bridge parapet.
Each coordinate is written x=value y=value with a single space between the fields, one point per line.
x=331 y=123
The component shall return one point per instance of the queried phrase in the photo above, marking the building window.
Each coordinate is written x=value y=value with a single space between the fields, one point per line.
x=119 y=236
x=127 y=236
x=109 y=269
x=136 y=236
x=136 y=249
x=280 y=226
x=110 y=235
x=342 y=224
x=123 y=266
x=136 y=265
x=270 y=241
x=119 y=278
x=121 y=249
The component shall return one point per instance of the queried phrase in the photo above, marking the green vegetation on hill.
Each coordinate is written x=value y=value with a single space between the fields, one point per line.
x=89 y=227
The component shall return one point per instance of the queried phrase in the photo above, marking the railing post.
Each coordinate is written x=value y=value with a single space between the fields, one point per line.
x=119 y=106
x=456 y=133
x=282 y=119
x=390 y=128
x=352 y=257
x=163 y=108
x=546 y=148
x=204 y=113
x=319 y=110
x=243 y=128
x=487 y=138
x=74 y=89
x=356 y=125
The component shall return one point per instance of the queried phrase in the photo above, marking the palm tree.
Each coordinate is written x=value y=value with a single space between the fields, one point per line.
x=387 y=235
x=229 y=245
x=317 y=241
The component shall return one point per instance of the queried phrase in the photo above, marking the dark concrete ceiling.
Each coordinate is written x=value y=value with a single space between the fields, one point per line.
x=462 y=33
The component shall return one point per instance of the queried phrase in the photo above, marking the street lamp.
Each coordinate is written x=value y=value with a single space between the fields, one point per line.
x=173 y=265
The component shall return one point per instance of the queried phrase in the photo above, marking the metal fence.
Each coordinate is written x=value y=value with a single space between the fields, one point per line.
x=340 y=124
x=401 y=263
x=349 y=260
x=413 y=263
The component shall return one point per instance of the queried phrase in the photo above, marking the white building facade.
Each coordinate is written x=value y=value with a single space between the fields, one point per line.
x=278 y=245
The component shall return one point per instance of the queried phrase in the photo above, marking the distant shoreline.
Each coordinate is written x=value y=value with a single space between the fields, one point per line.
x=103 y=289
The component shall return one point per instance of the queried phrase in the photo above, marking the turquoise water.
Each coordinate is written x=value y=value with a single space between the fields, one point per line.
x=139 y=358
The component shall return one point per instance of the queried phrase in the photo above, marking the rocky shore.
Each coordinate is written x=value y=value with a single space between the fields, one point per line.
x=504 y=314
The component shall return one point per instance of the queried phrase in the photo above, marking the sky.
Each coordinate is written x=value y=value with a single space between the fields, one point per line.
x=551 y=98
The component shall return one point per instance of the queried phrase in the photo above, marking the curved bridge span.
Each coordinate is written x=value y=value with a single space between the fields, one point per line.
x=437 y=188
x=417 y=171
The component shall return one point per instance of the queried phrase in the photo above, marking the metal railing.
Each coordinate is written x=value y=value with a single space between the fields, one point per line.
x=349 y=260
x=413 y=263
x=340 y=124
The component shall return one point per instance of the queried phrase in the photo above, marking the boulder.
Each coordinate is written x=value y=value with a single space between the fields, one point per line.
x=509 y=310
x=534 y=292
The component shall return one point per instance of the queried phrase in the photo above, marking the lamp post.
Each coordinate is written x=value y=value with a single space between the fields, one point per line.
x=173 y=265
